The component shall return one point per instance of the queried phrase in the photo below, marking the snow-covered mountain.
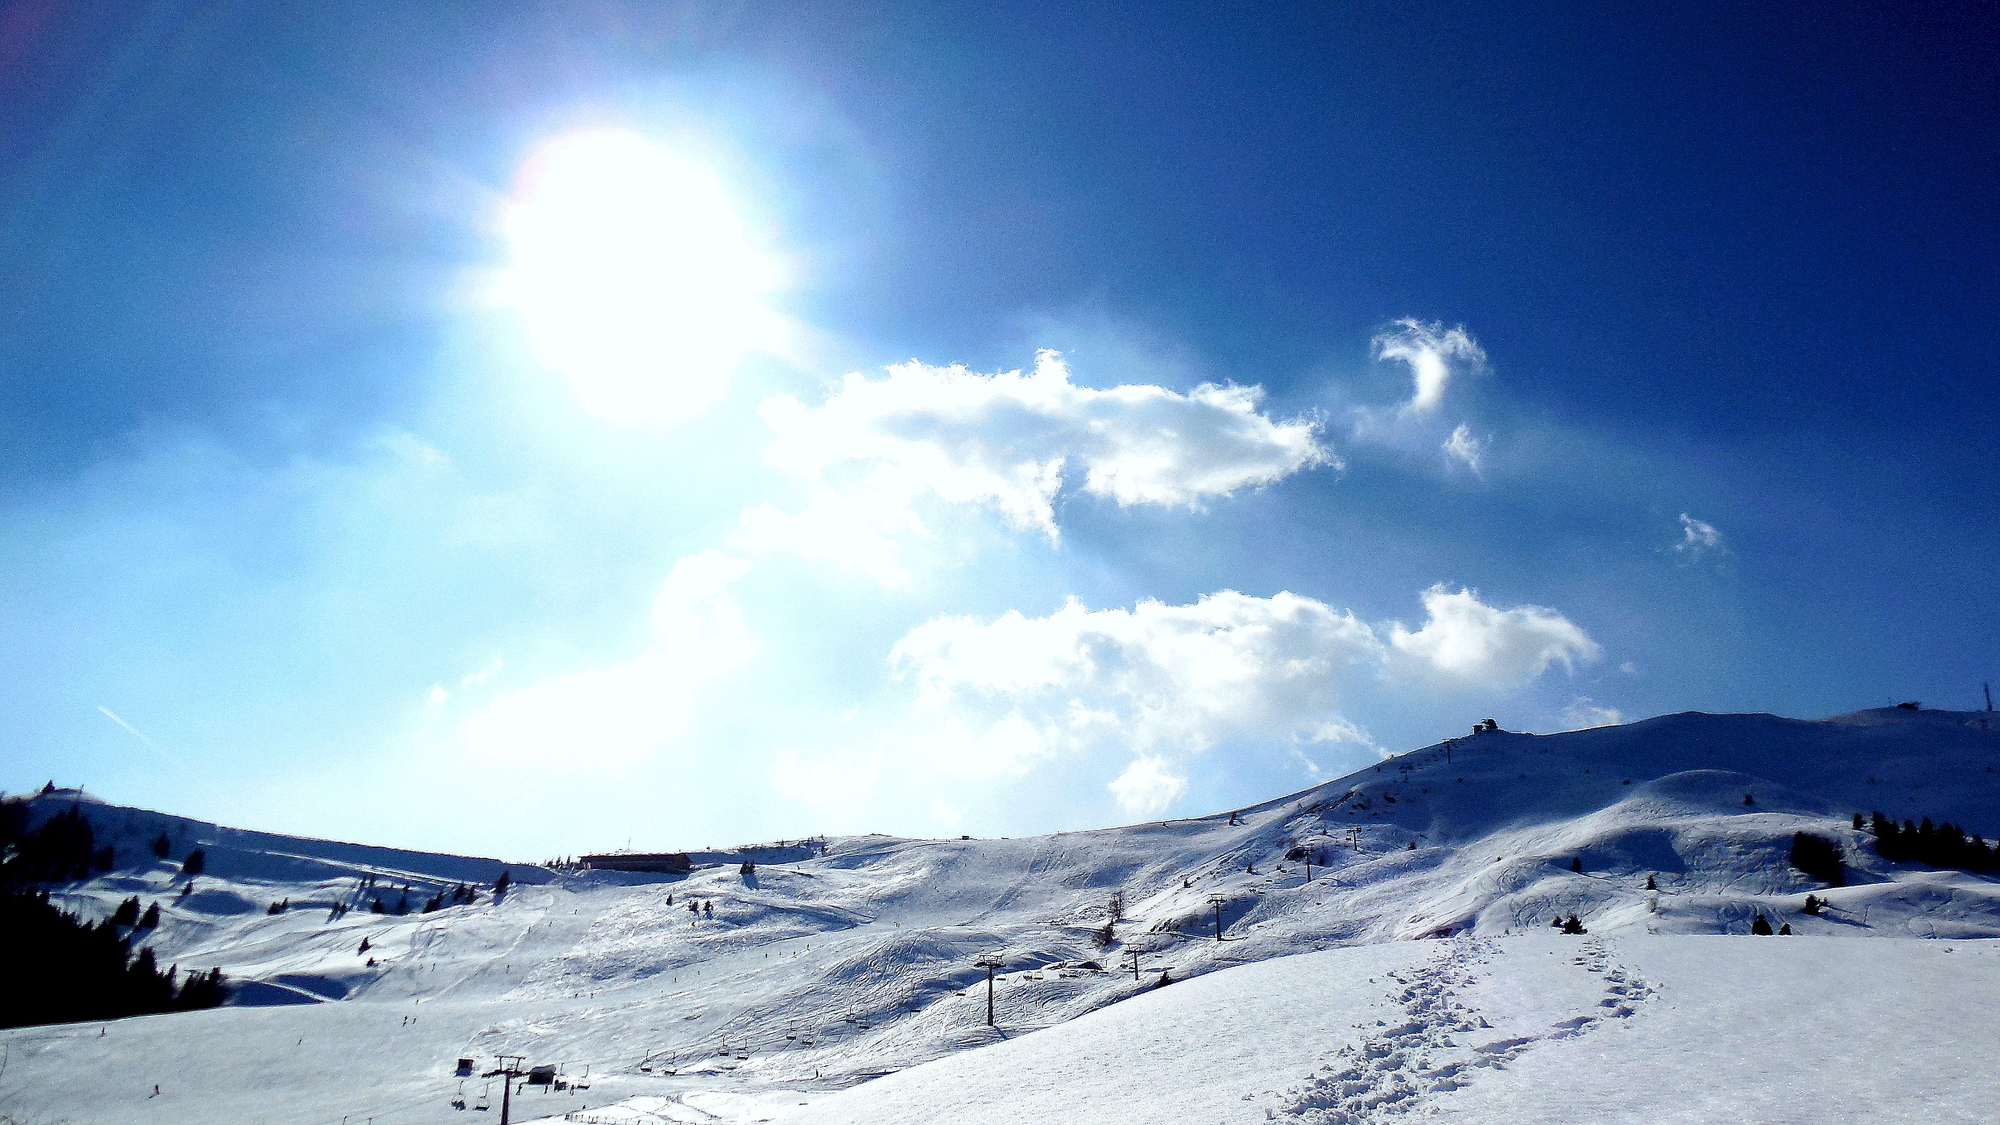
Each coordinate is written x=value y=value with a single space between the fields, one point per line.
x=857 y=957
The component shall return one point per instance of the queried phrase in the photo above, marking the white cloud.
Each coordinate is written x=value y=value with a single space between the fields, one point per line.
x=1466 y=641
x=1698 y=538
x=1584 y=713
x=620 y=713
x=860 y=530
x=1163 y=683
x=1148 y=785
x=1006 y=441
x=1434 y=354
x=1462 y=446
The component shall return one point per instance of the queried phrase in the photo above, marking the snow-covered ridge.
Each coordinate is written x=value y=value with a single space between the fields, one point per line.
x=821 y=970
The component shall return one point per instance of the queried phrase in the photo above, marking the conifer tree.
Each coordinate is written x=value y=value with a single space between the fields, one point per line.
x=1762 y=926
x=195 y=863
x=162 y=845
x=150 y=920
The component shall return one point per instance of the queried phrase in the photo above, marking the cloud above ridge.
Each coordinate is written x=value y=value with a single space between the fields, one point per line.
x=1012 y=441
x=1164 y=683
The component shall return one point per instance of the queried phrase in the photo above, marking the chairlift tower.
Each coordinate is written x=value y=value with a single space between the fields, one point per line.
x=990 y=962
x=1215 y=901
x=509 y=1069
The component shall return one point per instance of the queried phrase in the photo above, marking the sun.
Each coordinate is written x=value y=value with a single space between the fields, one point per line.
x=635 y=275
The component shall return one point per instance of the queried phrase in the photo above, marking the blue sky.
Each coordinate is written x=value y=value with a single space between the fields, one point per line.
x=532 y=429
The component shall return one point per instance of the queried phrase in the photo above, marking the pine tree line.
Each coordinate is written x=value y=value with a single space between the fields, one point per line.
x=1940 y=845
x=76 y=970
x=62 y=849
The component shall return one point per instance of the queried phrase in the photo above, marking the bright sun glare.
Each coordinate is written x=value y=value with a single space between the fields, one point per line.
x=635 y=276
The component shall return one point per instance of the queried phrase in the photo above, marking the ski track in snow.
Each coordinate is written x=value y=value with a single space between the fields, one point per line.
x=1438 y=1044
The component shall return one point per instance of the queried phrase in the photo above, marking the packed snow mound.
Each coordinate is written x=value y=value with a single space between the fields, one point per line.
x=837 y=961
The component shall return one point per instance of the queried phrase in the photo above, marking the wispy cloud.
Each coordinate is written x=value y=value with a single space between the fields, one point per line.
x=1434 y=353
x=1698 y=538
x=1584 y=713
x=1462 y=446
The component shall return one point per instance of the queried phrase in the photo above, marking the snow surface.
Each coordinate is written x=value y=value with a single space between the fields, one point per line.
x=822 y=973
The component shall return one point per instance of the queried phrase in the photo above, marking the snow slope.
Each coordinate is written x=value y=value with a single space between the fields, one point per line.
x=815 y=975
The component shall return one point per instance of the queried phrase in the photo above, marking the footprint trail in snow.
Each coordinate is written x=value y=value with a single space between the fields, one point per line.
x=1435 y=1044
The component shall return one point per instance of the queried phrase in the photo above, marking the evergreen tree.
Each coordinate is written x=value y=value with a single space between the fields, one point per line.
x=403 y=905
x=1857 y=822
x=1762 y=926
x=150 y=920
x=1576 y=865
x=195 y=863
x=1818 y=857
x=501 y=884
x=1812 y=905
x=1785 y=930
x=162 y=845
x=1650 y=885
x=127 y=913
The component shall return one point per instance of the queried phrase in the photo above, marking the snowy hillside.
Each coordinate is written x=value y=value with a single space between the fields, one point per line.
x=812 y=976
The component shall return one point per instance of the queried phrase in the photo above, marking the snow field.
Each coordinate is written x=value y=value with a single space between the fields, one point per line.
x=821 y=974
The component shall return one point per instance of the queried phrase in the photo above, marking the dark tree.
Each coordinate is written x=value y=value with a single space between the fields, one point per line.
x=62 y=849
x=1650 y=885
x=1857 y=822
x=1762 y=926
x=150 y=920
x=162 y=845
x=127 y=913
x=1785 y=930
x=1576 y=865
x=1573 y=926
x=195 y=863
x=1812 y=905
x=501 y=884
x=1818 y=857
